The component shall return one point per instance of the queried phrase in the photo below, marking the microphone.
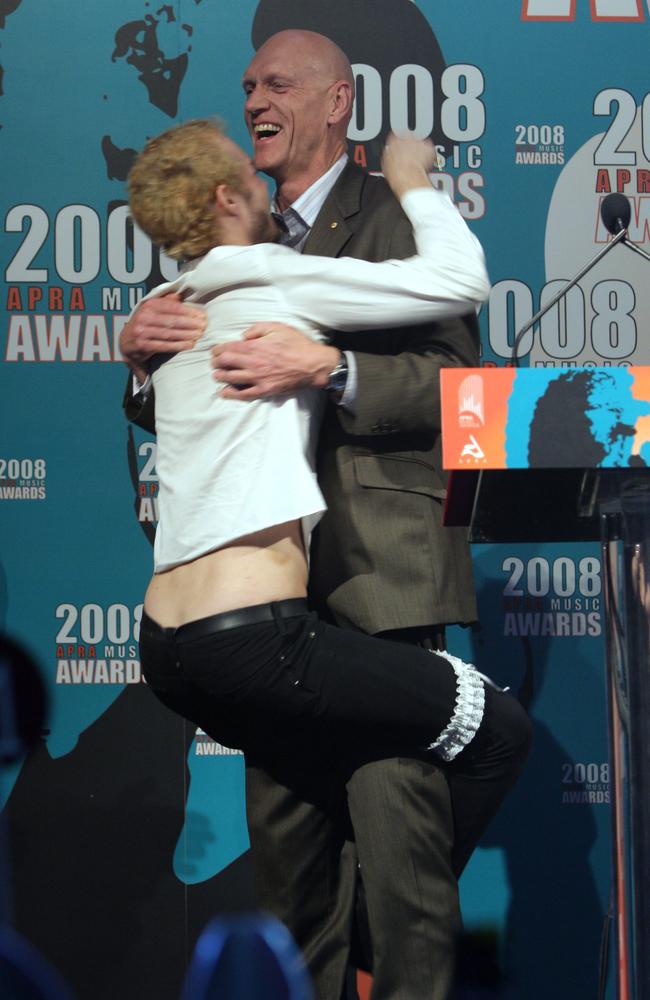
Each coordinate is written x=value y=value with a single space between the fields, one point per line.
x=615 y=212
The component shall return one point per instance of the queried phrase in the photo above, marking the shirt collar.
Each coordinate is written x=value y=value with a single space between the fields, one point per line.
x=310 y=202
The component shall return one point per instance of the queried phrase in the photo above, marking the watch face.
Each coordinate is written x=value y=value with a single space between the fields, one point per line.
x=338 y=377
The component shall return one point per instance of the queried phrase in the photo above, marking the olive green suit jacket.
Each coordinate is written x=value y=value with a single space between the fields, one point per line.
x=381 y=558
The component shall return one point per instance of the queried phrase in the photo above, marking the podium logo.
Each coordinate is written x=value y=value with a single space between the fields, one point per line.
x=472 y=450
x=471 y=403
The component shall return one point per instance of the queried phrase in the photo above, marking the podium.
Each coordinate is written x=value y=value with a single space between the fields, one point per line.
x=563 y=454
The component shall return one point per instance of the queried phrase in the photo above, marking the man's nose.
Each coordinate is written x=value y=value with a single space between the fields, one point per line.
x=255 y=100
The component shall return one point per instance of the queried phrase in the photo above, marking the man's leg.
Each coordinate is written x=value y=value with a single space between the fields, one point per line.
x=384 y=699
x=401 y=814
x=306 y=870
x=304 y=874
x=416 y=824
x=373 y=696
x=402 y=819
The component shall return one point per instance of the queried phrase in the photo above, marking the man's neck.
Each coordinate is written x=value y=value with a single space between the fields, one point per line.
x=290 y=188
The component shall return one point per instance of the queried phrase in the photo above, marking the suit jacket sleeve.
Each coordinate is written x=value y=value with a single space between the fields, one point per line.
x=139 y=411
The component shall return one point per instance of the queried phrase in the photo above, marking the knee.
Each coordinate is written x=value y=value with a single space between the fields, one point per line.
x=505 y=735
x=515 y=728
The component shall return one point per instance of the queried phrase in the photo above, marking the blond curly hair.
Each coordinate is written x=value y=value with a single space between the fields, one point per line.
x=172 y=185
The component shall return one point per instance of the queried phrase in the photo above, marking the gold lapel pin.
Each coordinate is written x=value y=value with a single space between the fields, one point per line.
x=333 y=225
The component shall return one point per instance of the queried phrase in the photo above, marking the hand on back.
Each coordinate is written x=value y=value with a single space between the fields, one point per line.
x=160 y=325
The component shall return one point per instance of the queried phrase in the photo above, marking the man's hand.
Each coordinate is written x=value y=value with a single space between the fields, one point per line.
x=272 y=359
x=406 y=163
x=160 y=325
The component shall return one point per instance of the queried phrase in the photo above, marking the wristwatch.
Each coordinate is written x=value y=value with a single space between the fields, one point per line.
x=338 y=377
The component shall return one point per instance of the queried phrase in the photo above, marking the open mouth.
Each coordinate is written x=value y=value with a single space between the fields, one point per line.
x=265 y=131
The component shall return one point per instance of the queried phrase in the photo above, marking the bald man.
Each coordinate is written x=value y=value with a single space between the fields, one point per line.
x=381 y=561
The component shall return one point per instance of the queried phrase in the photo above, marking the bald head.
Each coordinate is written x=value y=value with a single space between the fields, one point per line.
x=299 y=97
x=318 y=54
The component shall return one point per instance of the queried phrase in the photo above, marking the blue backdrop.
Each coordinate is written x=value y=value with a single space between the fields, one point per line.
x=127 y=828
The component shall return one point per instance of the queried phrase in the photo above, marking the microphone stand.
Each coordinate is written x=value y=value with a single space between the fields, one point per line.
x=633 y=246
x=620 y=236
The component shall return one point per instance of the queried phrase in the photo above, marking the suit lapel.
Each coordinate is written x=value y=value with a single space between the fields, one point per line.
x=336 y=221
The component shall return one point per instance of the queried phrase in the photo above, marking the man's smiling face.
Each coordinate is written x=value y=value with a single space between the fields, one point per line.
x=289 y=103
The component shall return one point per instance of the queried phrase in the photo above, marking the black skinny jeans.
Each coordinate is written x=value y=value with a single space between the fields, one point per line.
x=295 y=682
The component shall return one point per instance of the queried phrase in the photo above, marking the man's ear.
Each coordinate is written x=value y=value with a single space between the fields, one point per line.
x=224 y=199
x=341 y=102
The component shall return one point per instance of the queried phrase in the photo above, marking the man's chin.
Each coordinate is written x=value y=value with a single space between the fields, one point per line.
x=274 y=231
x=268 y=230
x=263 y=165
x=265 y=159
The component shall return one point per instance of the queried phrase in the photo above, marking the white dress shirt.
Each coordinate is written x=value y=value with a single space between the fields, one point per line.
x=228 y=468
x=310 y=202
x=304 y=210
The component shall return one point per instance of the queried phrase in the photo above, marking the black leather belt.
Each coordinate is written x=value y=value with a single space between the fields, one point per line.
x=257 y=614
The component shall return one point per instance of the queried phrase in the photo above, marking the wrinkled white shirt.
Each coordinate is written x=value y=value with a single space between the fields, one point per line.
x=228 y=468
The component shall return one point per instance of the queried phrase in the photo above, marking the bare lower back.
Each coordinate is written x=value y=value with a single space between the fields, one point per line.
x=269 y=565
